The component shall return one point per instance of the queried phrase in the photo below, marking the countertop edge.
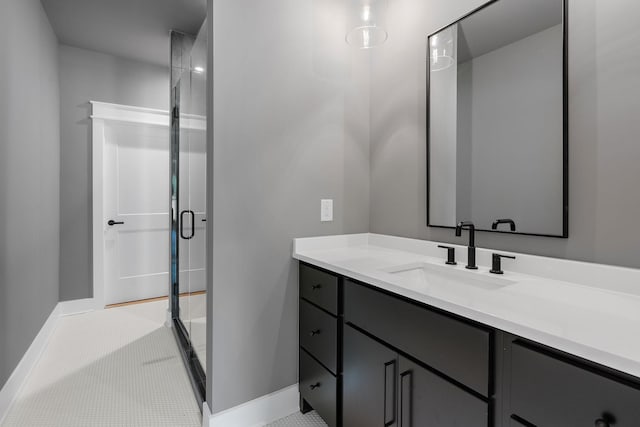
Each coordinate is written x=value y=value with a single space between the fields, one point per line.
x=595 y=355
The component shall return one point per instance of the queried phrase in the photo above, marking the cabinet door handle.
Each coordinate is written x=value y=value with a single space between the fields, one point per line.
x=389 y=393
x=314 y=386
x=316 y=287
x=406 y=398
x=314 y=332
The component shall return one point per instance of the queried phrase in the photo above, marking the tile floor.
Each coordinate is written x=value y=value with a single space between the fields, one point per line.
x=311 y=419
x=118 y=367
x=115 y=368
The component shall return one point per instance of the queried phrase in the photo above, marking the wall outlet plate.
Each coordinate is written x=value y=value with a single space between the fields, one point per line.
x=326 y=210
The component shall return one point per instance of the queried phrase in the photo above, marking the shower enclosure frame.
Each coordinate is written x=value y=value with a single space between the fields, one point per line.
x=193 y=364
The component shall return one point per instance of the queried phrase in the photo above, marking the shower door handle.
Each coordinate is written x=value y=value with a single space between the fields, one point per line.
x=193 y=224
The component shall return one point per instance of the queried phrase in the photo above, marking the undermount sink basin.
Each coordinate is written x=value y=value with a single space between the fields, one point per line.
x=432 y=275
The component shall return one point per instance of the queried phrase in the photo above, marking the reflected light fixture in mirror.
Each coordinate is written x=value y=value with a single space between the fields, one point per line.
x=442 y=48
x=366 y=25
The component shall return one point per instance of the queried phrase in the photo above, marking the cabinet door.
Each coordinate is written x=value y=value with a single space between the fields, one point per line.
x=369 y=382
x=457 y=349
x=426 y=399
x=549 y=390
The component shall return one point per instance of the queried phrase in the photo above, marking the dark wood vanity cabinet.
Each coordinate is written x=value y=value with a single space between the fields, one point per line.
x=371 y=358
x=550 y=389
x=426 y=399
x=320 y=337
x=417 y=366
x=320 y=288
x=369 y=383
x=457 y=349
x=383 y=388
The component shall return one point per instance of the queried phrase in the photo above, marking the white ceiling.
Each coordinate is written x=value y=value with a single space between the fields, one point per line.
x=505 y=22
x=135 y=29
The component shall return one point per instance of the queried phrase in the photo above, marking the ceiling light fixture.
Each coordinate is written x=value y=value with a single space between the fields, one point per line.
x=442 y=48
x=366 y=26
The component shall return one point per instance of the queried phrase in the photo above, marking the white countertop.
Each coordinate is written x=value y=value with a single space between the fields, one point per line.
x=589 y=310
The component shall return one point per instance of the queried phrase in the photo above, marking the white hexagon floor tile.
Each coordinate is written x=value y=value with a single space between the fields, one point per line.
x=311 y=419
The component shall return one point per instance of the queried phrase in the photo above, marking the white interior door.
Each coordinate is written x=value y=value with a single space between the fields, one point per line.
x=192 y=208
x=136 y=203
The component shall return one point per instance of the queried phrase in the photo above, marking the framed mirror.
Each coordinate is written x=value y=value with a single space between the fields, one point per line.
x=497 y=141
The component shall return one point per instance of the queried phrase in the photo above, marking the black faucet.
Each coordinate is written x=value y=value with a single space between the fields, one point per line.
x=471 y=250
x=495 y=263
x=509 y=221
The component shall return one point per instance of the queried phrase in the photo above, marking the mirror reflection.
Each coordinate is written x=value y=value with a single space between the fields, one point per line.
x=496 y=120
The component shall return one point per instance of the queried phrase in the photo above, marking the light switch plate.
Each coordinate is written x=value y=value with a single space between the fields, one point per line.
x=326 y=210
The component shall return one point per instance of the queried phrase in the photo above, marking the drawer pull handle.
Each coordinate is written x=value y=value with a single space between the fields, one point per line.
x=405 y=398
x=314 y=332
x=601 y=423
x=314 y=386
x=316 y=287
x=390 y=393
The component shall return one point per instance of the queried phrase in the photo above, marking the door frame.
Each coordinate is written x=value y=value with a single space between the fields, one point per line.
x=103 y=113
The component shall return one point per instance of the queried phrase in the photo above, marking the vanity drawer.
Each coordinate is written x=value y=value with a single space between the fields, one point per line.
x=319 y=334
x=319 y=388
x=457 y=349
x=319 y=287
x=550 y=391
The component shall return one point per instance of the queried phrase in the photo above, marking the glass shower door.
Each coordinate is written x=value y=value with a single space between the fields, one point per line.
x=192 y=202
x=185 y=221
x=197 y=197
x=188 y=298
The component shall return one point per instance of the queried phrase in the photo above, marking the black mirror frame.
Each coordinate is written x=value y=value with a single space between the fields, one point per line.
x=565 y=127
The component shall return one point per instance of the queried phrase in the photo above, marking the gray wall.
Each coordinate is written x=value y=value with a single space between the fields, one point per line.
x=91 y=76
x=29 y=171
x=291 y=109
x=604 y=64
x=515 y=134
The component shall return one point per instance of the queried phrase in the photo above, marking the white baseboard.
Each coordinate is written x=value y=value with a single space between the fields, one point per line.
x=77 y=306
x=256 y=413
x=206 y=415
x=18 y=377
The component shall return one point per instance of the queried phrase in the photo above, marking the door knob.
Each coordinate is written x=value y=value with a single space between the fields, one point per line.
x=112 y=222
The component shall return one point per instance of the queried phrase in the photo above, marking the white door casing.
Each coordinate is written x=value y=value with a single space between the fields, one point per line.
x=131 y=185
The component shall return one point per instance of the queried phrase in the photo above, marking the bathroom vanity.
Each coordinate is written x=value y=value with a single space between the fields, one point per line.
x=391 y=336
